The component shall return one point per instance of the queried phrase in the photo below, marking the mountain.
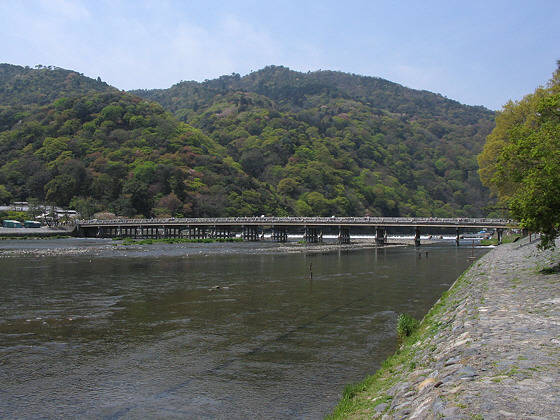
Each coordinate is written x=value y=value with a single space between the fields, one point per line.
x=42 y=85
x=275 y=142
x=332 y=142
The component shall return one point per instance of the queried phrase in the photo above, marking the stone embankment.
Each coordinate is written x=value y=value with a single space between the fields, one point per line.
x=490 y=348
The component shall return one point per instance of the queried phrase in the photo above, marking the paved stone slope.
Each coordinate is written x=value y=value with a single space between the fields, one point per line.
x=495 y=352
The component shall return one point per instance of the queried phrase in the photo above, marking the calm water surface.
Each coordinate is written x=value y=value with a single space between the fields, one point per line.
x=93 y=330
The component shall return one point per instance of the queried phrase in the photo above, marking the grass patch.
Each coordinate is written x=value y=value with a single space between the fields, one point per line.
x=551 y=270
x=506 y=239
x=406 y=326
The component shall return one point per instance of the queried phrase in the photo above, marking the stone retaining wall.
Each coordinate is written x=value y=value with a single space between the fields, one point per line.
x=489 y=349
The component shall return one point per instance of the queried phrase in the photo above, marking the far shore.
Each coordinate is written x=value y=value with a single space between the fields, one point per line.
x=43 y=231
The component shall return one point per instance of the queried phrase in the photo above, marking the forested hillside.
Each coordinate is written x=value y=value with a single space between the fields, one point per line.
x=274 y=142
x=333 y=142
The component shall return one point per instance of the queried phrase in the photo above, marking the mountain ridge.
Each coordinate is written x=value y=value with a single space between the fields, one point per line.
x=315 y=143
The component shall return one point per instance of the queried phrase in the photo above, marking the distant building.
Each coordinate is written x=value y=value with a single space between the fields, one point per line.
x=16 y=206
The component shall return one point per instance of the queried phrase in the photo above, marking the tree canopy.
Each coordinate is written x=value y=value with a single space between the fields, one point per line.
x=520 y=161
x=274 y=142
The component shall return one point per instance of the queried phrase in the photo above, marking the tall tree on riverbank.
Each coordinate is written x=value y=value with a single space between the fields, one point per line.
x=521 y=160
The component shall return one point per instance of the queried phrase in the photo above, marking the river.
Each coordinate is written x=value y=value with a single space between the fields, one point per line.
x=93 y=329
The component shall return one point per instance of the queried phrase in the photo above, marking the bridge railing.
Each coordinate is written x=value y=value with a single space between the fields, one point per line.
x=381 y=221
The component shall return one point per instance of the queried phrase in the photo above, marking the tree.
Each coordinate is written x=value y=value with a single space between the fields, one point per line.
x=61 y=190
x=521 y=160
x=287 y=186
x=169 y=204
x=85 y=206
x=5 y=195
x=137 y=192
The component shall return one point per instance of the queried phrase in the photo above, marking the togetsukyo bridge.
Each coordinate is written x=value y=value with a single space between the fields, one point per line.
x=277 y=228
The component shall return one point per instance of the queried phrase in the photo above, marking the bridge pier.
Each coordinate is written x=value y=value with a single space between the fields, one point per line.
x=310 y=235
x=196 y=232
x=499 y=232
x=343 y=235
x=279 y=234
x=223 y=232
x=417 y=237
x=250 y=233
x=380 y=235
x=457 y=236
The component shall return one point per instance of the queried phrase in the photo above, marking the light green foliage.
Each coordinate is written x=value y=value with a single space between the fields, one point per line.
x=521 y=160
x=5 y=195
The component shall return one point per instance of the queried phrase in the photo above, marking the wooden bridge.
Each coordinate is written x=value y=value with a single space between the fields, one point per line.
x=277 y=228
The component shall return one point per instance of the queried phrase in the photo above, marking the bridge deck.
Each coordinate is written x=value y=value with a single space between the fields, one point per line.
x=308 y=221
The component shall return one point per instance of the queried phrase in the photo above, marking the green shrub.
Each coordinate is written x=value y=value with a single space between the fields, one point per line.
x=406 y=326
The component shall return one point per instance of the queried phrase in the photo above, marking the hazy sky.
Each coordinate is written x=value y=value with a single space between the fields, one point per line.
x=477 y=52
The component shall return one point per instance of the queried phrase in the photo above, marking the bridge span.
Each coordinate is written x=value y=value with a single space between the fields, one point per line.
x=254 y=228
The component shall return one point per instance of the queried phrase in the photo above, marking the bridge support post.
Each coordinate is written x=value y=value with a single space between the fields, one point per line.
x=310 y=235
x=343 y=235
x=380 y=235
x=499 y=231
x=222 y=232
x=279 y=234
x=457 y=237
x=250 y=233
x=417 y=237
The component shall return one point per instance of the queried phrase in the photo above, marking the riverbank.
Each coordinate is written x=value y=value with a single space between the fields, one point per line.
x=42 y=232
x=488 y=349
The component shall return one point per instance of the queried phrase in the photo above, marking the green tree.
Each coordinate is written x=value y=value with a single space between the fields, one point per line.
x=319 y=205
x=61 y=190
x=521 y=160
x=287 y=186
x=5 y=195
x=137 y=192
x=85 y=206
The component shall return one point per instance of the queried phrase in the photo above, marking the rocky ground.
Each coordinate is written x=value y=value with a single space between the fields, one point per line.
x=492 y=350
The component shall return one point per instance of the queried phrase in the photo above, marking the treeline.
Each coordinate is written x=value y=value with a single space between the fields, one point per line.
x=520 y=161
x=274 y=142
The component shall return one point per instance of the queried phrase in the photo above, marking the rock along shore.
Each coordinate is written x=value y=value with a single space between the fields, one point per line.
x=489 y=349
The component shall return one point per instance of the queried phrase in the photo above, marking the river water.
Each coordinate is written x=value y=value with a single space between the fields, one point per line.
x=92 y=329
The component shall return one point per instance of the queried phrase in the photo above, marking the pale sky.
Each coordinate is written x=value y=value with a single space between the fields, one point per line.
x=476 y=52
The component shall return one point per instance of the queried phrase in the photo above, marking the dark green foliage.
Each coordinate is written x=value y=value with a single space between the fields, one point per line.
x=274 y=142
x=335 y=143
x=114 y=151
x=551 y=270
